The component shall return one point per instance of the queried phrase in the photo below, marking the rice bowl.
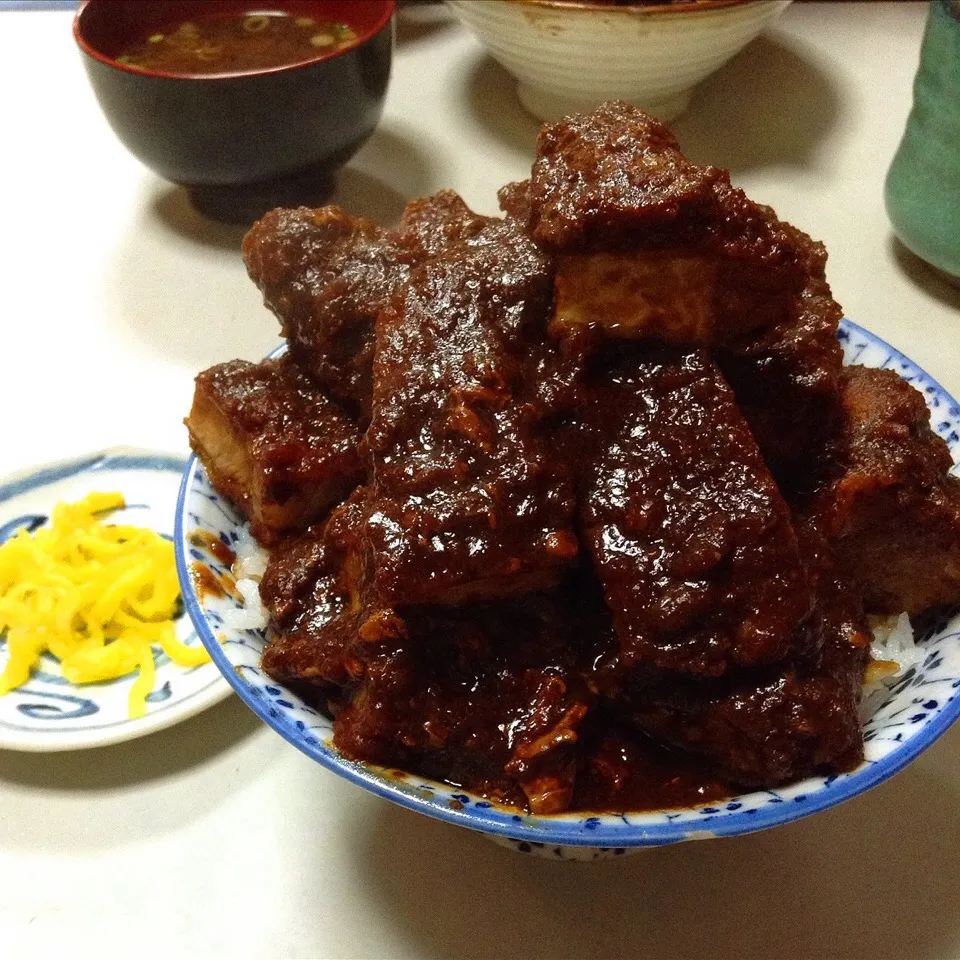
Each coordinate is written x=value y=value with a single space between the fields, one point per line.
x=916 y=708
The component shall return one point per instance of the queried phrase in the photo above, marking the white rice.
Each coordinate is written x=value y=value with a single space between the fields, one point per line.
x=893 y=641
x=250 y=558
x=893 y=653
x=248 y=569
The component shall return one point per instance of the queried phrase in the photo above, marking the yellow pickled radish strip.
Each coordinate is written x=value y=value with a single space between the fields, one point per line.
x=97 y=548
x=146 y=628
x=143 y=684
x=69 y=606
x=153 y=608
x=24 y=649
x=65 y=645
x=82 y=514
x=121 y=586
x=180 y=653
x=100 y=663
x=96 y=596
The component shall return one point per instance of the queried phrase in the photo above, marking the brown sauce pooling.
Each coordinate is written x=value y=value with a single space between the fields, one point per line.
x=205 y=540
x=206 y=582
x=627 y=772
x=237 y=43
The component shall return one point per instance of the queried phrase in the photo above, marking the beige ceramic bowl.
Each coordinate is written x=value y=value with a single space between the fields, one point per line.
x=570 y=56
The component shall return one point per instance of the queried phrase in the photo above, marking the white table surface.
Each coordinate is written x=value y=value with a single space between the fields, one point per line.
x=218 y=838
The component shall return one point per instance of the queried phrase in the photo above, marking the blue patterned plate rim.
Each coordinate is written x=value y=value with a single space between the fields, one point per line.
x=171 y=708
x=731 y=817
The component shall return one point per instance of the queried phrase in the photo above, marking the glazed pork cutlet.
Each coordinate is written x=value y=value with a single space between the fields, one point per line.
x=891 y=510
x=326 y=274
x=485 y=695
x=761 y=729
x=310 y=644
x=488 y=695
x=653 y=247
x=787 y=383
x=431 y=224
x=514 y=200
x=689 y=536
x=273 y=444
x=650 y=246
x=309 y=593
x=469 y=501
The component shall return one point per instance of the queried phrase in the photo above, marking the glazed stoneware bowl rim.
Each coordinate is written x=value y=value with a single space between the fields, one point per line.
x=389 y=7
x=736 y=816
x=640 y=8
x=652 y=56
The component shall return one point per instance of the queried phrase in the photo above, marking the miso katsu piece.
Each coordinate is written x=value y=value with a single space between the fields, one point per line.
x=787 y=383
x=691 y=541
x=577 y=508
x=310 y=606
x=891 y=508
x=758 y=731
x=651 y=246
x=273 y=444
x=485 y=694
x=326 y=274
x=468 y=501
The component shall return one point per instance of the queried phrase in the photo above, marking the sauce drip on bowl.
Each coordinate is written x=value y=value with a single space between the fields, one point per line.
x=210 y=542
x=237 y=43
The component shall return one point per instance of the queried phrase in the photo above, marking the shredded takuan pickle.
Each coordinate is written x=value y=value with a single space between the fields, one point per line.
x=97 y=596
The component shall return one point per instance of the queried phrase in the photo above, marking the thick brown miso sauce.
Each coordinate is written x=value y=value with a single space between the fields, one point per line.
x=206 y=582
x=623 y=772
x=205 y=540
x=626 y=772
x=700 y=638
x=237 y=43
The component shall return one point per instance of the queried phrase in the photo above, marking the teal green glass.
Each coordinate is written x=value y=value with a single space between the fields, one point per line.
x=923 y=183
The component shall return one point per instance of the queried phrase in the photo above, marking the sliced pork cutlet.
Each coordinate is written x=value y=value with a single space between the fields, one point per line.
x=313 y=636
x=486 y=695
x=689 y=536
x=514 y=200
x=764 y=728
x=891 y=511
x=787 y=383
x=326 y=274
x=469 y=501
x=431 y=224
x=273 y=444
x=310 y=593
x=650 y=245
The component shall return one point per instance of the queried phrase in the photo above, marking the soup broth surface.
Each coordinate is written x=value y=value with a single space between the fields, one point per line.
x=237 y=43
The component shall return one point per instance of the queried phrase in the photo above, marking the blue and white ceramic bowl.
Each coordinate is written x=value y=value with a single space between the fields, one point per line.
x=917 y=709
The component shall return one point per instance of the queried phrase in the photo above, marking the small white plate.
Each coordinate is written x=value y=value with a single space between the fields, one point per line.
x=48 y=712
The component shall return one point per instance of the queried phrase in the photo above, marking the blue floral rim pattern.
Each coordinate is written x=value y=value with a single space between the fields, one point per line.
x=918 y=709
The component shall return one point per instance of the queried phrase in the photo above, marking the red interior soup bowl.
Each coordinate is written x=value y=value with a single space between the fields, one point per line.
x=248 y=104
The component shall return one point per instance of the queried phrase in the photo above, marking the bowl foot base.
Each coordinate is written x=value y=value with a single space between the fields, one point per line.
x=550 y=107
x=551 y=851
x=246 y=202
